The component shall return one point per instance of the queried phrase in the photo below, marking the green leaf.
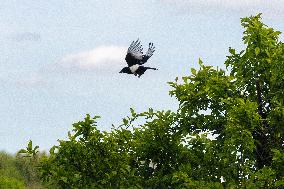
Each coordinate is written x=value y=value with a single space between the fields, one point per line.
x=257 y=51
x=193 y=71
x=200 y=62
x=22 y=151
x=132 y=112
x=125 y=121
x=30 y=145
x=64 y=179
x=232 y=51
x=95 y=117
x=151 y=111
x=268 y=60
x=36 y=147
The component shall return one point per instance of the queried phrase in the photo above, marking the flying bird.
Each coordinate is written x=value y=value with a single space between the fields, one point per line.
x=135 y=59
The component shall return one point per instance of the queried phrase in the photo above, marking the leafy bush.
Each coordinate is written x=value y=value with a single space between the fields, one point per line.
x=18 y=172
x=11 y=183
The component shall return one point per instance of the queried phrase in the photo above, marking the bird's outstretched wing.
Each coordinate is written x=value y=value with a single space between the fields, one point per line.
x=134 y=53
x=148 y=54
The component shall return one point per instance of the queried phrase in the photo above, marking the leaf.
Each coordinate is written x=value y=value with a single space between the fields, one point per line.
x=232 y=51
x=125 y=121
x=64 y=179
x=37 y=147
x=30 y=145
x=151 y=111
x=267 y=52
x=193 y=71
x=96 y=117
x=268 y=60
x=200 y=62
x=22 y=151
x=132 y=112
x=257 y=51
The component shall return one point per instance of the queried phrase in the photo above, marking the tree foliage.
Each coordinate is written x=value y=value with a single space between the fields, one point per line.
x=243 y=110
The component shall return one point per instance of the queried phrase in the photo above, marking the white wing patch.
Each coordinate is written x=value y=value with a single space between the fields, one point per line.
x=134 y=68
x=137 y=55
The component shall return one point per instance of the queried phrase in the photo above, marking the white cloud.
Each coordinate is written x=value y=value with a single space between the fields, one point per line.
x=100 y=58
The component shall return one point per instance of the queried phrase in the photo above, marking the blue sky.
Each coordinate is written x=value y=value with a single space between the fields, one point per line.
x=60 y=59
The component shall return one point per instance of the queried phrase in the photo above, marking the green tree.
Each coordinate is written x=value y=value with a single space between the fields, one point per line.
x=243 y=110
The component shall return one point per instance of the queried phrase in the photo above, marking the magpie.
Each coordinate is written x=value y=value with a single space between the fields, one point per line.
x=135 y=59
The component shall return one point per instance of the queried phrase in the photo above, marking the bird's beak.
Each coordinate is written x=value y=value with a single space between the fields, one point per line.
x=120 y=72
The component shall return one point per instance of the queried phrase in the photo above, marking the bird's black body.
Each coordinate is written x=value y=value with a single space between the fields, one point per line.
x=135 y=59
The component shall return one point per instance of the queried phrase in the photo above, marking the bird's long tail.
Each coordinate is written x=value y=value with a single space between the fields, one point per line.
x=151 y=68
